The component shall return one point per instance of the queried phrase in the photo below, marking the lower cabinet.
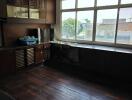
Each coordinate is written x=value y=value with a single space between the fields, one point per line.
x=30 y=56
x=39 y=54
x=7 y=62
x=20 y=58
x=15 y=59
x=42 y=53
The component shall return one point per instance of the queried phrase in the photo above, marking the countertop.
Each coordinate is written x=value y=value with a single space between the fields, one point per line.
x=21 y=46
x=98 y=47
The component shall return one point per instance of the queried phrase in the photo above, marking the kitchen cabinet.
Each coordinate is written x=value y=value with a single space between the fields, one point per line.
x=37 y=9
x=17 y=8
x=39 y=54
x=24 y=57
x=30 y=56
x=43 y=10
x=34 y=6
x=2 y=8
x=50 y=11
x=14 y=59
x=42 y=53
x=20 y=58
x=7 y=61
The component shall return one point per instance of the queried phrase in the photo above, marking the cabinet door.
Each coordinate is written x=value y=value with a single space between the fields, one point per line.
x=46 y=52
x=17 y=8
x=7 y=62
x=50 y=11
x=39 y=54
x=42 y=9
x=34 y=9
x=37 y=9
x=20 y=59
x=2 y=8
x=30 y=56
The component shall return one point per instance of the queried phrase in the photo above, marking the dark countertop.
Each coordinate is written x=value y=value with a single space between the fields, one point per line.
x=20 y=47
x=98 y=47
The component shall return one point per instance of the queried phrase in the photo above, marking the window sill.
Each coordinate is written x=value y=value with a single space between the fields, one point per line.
x=97 y=47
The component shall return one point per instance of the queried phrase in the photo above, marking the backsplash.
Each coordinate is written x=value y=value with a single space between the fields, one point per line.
x=14 y=31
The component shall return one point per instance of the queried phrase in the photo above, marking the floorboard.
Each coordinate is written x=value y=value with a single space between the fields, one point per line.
x=44 y=83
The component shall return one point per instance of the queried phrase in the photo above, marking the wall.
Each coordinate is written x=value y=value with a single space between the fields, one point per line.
x=0 y=35
x=13 y=31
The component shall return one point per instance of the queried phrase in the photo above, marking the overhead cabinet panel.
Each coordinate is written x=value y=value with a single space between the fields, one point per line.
x=17 y=8
x=2 y=8
x=43 y=10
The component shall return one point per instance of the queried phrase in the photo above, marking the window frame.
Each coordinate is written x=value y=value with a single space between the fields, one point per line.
x=58 y=27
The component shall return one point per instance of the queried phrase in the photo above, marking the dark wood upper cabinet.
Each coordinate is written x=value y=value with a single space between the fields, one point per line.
x=42 y=13
x=17 y=8
x=37 y=9
x=2 y=8
x=43 y=10
x=50 y=11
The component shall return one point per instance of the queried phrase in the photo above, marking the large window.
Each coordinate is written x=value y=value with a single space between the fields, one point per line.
x=96 y=21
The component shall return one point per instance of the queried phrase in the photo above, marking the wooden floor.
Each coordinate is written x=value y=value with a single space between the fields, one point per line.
x=43 y=83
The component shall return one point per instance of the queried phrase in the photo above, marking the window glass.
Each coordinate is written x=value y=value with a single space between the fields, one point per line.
x=84 y=25
x=124 y=35
x=68 y=4
x=106 y=25
x=106 y=2
x=68 y=25
x=85 y=3
x=126 y=1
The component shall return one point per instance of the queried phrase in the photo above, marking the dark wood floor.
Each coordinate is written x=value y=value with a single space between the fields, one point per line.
x=43 y=83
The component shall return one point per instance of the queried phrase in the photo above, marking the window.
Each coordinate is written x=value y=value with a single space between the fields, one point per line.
x=124 y=34
x=126 y=1
x=68 y=4
x=106 y=2
x=68 y=25
x=96 y=21
x=85 y=3
x=84 y=25
x=106 y=25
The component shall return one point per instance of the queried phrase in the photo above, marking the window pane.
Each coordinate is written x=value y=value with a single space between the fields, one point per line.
x=106 y=25
x=124 y=35
x=106 y=2
x=84 y=25
x=68 y=4
x=68 y=25
x=126 y=1
x=85 y=3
